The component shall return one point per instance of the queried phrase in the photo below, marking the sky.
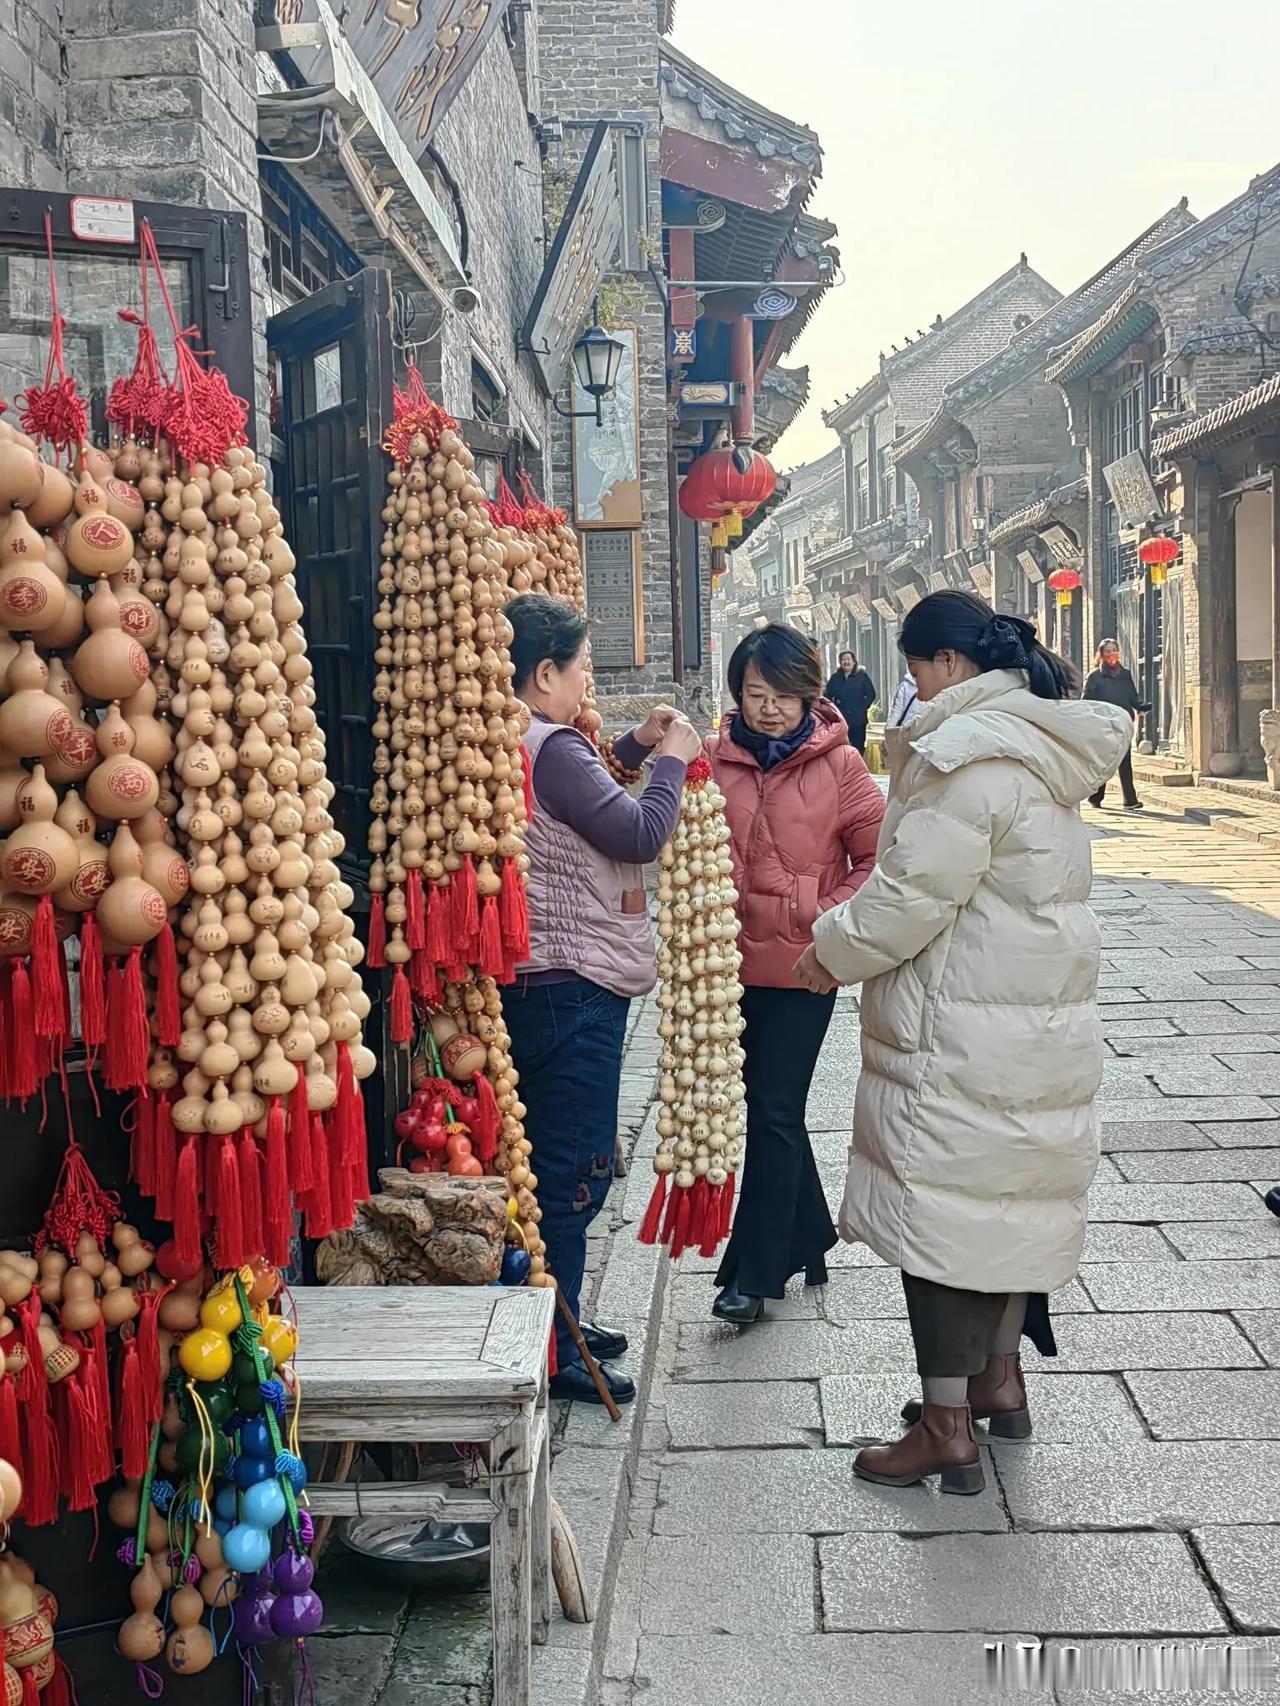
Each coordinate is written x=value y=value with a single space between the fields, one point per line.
x=955 y=137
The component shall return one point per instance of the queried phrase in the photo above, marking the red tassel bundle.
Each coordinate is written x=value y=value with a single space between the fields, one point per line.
x=319 y=1207
x=142 y=1144
x=129 y=1038
x=186 y=1203
x=10 y=1428
x=24 y=1075
x=487 y=1128
x=301 y=1171
x=515 y=912
x=401 y=1025
x=46 y=972
x=415 y=911
x=466 y=913
x=652 y=1221
x=93 y=1007
x=375 y=948
x=229 y=1237
x=132 y=1433
x=276 y=1218
x=251 y=1215
x=439 y=925
x=166 y=1154
x=492 y=956
x=348 y=1121
x=39 y=1437
x=147 y=1334
x=168 y=1012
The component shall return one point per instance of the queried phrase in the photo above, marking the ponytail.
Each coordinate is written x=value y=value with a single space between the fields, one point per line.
x=962 y=622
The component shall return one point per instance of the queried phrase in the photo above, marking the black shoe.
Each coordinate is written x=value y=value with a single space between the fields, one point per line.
x=1272 y=1199
x=1133 y=805
x=816 y=1273
x=735 y=1305
x=604 y=1343
x=573 y=1381
x=1096 y=801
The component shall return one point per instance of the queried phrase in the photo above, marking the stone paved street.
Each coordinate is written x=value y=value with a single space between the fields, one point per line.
x=1147 y=1506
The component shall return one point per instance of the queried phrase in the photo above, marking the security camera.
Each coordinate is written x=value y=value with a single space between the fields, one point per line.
x=465 y=299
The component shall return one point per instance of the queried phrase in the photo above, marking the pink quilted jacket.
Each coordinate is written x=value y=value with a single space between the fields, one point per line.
x=804 y=839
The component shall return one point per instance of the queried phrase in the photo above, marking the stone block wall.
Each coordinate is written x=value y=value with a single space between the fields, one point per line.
x=1024 y=447
x=32 y=104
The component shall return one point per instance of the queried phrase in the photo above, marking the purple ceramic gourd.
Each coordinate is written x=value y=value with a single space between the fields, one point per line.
x=294 y=1573
x=253 y=1625
x=297 y=1614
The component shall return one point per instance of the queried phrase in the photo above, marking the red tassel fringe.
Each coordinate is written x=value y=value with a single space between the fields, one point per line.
x=166 y=1153
x=168 y=1012
x=652 y=1221
x=186 y=1204
x=250 y=1163
x=133 y=1036
x=401 y=1008
x=46 y=976
x=348 y=1119
x=10 y=1430
x=488 y=1124
x=229 y=1230
x=515 y=912
x=147 y=1334
x=374 y=955
x=142 y=1148
x=275 y=1217
x=439 y=929
x=39 y=1437
x=132 y=1433
x=415 y=911
x=492 y=955
x=466 y=917
x=25 y=1076
x=319 y=1221
x=300 y=1167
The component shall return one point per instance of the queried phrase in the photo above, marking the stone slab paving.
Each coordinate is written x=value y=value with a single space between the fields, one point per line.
x=1147 y=1504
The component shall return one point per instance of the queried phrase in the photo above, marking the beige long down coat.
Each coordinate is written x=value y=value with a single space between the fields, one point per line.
x=974 y=1137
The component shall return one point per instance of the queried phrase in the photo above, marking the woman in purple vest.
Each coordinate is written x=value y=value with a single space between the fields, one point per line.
x=591 y=945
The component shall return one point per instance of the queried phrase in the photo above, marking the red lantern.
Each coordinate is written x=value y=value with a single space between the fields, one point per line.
x=1157 y=554
x=1064 y=583
x=715 y=489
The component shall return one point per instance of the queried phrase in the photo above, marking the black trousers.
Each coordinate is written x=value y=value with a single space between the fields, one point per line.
x=858 y=737
x=1126 y=782
x=783 y=1225
x=953 y=1330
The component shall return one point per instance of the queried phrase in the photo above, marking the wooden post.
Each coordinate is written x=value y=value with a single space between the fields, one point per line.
x=1215 y=573
x=1275 y=588
x=511 y=1469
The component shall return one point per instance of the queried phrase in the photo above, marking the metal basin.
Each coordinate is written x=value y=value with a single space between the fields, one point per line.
x=441 y=1557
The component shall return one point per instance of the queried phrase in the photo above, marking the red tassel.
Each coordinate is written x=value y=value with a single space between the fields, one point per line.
x=132 y=1434
x=439 y=929
x=93 y=1005
x=341 y=1203
x=147 y=1334
x=30 y=1687
x=699 y=1192
x=669 y=1218
x=39 y=1436
x=466 y=916
x=488 y=1125
x=374 y=955
x=142 y=1148
x=491 y=954
x=726 y=1205
x=79 y=1425
x=186 y=1204
x=652 y=1221
x=250 y=1163
x=515 y=912
x=229 y=1236
x=166 y=1153
x=300 y=1169
x=6 y=1030
x=680 y=1232
x=553 y=1357
x=401 y=1008
x=46 y=975
x=415 y=911
x=275 y=1216
x=348 y=1116
x=10 y=1434
x=99 y=1369
x=168 y=1013
x=713 y=1226
x=23 y=1037
x=319 y=1209
x=130 y=1036
x=58 y=1691
x=423 y=978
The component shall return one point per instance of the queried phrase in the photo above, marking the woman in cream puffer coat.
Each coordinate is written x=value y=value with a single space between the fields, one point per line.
x=974 y=1138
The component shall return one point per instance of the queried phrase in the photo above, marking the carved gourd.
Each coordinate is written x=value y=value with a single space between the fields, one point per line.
x=121 y=786
x=39 y=855
x=92 y=873
x=98 y=543
x=108 y=664
x=31 y=595
x=131 y=912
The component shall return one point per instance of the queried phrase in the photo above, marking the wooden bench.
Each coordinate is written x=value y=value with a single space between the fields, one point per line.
x=464 y=1364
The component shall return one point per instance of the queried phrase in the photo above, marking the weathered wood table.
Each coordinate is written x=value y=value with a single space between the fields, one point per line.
x=464 y=1364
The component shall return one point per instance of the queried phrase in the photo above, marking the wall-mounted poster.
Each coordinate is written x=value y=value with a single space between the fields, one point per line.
x=606 y=458
x=611 y=570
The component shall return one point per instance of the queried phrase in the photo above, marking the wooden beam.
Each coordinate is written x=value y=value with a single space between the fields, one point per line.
x=731 y=174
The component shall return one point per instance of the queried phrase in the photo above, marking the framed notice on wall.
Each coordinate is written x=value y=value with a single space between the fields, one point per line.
x=606 y=458
x=611 y=570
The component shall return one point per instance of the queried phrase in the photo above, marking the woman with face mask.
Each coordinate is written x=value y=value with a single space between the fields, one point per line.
x=591 y=945
x=974 y=1138
x=1112 y=683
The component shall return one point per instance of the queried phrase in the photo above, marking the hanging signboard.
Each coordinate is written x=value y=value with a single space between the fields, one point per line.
x=1030 y=568
x=885 y=608
x=584 y=247
x=1061 y=546
x=983 y=579
x=611 y=570
x=1131 y=489
x=606 y=458
x=416 y=53
x=856 y=606
x=907 y=596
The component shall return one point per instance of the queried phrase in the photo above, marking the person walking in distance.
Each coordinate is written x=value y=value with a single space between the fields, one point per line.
x=803 y=817
x=591 y=946
x=1112 y=683
x=853 y=693
x=974 y=1132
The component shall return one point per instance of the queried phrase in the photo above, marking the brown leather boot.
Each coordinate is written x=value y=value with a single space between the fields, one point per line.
x=940 y=1443
x=997 y=1397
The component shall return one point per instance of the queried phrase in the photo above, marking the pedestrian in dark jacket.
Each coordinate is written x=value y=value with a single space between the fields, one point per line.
x=1112 y=683
x=853 y=693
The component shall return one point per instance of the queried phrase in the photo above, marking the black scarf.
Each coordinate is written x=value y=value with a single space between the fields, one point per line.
x=769 y=753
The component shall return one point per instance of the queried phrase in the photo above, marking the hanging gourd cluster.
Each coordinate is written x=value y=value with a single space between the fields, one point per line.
x=449 y=806
x=700 y=1126
x=28 y=1612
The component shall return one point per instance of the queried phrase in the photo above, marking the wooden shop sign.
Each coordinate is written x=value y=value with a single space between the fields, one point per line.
x=1131 y=489
x=611 y=572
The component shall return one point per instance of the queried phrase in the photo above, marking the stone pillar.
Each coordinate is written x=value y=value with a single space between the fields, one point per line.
x=161 y=105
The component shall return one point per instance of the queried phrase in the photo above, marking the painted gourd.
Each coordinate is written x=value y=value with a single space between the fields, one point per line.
x=131 y=912
x=31 y=595
x=92 y=873
x=39 y=855
x=121 y=786
x=33 y=723
x=98 y=543
x=108 y=664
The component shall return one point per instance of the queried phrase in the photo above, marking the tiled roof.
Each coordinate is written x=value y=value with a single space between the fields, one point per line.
x=968 y=312
x=857 y=405
x=1069 y=316
x=739 y=117
x=1234 y=419
x=1236 y=222
x=938 y=427
x=1127 y=316
x=1033 y=516
x=1231 y=336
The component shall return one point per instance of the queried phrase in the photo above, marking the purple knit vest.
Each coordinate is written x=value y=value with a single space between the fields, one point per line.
x=576 y=921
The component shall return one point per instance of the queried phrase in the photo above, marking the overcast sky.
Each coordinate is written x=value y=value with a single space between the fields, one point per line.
x=955 y=137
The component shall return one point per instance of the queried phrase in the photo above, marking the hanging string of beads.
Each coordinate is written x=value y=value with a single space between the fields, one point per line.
x=700 y=1126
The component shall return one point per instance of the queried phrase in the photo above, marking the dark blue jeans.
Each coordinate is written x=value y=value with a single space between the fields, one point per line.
x=566 y=1041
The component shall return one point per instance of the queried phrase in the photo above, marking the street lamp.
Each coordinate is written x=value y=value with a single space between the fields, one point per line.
x=596 y=359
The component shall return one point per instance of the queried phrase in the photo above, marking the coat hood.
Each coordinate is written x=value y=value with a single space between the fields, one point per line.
x=829 y=731
x=1071 y=745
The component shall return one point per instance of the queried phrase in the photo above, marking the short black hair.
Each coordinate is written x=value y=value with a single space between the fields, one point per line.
x=846 y=653
x=543 y=628
x=787 y=659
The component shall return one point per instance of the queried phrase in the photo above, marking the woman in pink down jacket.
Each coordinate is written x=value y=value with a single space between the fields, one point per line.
x=804 y=816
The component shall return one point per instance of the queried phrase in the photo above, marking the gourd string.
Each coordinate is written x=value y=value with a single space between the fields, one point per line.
x=144 y=1497
x=208 y=1453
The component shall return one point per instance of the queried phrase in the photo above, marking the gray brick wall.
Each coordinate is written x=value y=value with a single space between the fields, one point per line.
x=32 y=106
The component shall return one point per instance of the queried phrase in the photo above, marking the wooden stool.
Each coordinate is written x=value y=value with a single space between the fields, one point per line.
x=460 y=1364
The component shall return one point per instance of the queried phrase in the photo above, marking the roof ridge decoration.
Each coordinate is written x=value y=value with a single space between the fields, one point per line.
x=1127 y=317
x=1038 y=513
x=1234 y=335
x=967 y=312
x=743 y=120
x=1237 y=219
x=1232 y=419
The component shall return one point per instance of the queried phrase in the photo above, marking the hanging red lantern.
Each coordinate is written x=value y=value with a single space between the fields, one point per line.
x=717 y=490
x=1157 y=554
x=1064 y=583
